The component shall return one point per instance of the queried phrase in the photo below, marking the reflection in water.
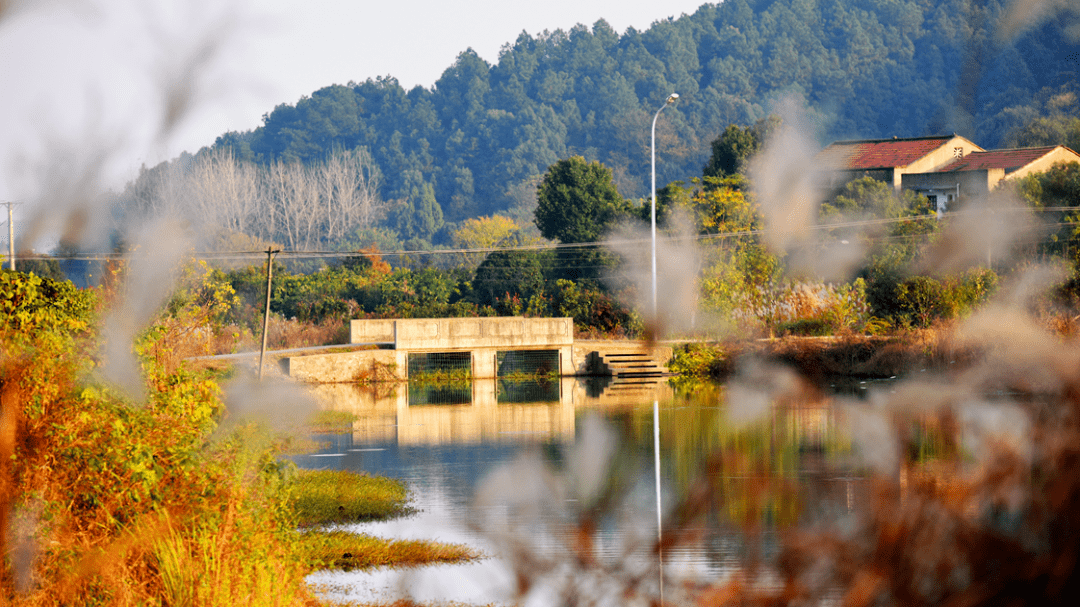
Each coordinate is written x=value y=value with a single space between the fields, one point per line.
x=457 y=393
x=539 y=391
x=756 y=479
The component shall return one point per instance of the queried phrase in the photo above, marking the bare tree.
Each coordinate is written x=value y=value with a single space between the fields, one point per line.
x=223 y=192
x=349 y=183
x=158 y=192
x=293 y=197
x=304 y=207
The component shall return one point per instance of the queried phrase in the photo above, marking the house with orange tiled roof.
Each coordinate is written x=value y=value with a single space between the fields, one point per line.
x=979 y=173
x=889 y=160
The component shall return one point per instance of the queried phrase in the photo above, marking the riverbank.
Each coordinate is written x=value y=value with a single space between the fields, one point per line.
x=859 y=356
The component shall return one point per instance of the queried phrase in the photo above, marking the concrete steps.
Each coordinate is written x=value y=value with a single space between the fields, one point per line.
x=631 y=365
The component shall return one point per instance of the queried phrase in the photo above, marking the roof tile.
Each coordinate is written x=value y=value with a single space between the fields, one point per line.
x=1010 y=159
x=880 y=153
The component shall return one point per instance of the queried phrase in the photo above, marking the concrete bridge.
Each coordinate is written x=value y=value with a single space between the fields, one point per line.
x=487 y=347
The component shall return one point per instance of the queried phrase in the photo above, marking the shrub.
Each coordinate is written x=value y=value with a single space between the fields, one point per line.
x=592 y=310
x=33 y=305
x=919 y=301
x=700 y=361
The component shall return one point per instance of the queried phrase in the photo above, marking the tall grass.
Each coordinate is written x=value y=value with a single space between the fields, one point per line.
x=109 y=500
x=123 y=502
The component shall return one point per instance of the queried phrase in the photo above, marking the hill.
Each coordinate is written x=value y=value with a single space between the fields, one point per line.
x=475 y=142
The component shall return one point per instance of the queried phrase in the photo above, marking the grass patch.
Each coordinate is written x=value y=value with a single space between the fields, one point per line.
x=331 y=422
x=346 y=551
x=323 y=497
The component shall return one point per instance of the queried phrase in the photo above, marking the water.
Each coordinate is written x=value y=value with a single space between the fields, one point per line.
x=534 y=464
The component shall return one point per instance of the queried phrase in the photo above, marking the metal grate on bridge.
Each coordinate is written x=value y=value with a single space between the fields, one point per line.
x=439 y=365
x=440 y=378
x=526 y=364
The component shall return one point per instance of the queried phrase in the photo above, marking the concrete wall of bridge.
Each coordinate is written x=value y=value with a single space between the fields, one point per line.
x=483 y=338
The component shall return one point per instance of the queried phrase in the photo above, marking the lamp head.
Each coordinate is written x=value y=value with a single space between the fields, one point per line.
x=673 y=98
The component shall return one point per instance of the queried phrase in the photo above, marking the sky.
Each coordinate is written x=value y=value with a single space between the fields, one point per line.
x=115 y=84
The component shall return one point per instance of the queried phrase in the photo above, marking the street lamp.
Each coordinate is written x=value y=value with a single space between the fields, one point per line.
x=671 y=99
x=656 y=403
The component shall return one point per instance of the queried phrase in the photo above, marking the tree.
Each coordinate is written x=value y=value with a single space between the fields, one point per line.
x=40 y=265
x=293 y=203
x=349 y=184
x=482 y=233
x=1057 y=187
x=222 y=191
x=867 y=197
x=736 y=145
x=577 y=201
x=509 y=274
x=729 y=150
x=421 y=216
x=724 y=206
x=1050 y=122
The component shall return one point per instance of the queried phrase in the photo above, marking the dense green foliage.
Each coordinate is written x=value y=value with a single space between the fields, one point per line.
x=577 y=201
x=1057 y=193
x=506 y=283
x=864 y=68
x=31 y=305
x=555 y=134
x=512 y=274
x=736 y=145
x=867 y=197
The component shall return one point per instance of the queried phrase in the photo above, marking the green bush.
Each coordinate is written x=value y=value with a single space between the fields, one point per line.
x=919 y=301
x=34 y=305
x=592 y=309
x=700 y=361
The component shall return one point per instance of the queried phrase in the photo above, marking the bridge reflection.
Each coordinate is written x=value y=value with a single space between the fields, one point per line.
x=480 y=410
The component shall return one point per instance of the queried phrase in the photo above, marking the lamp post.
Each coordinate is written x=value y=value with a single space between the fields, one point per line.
x=656 y=403
x=671 y=99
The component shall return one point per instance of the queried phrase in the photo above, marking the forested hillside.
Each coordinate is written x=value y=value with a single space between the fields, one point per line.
x=475 y=143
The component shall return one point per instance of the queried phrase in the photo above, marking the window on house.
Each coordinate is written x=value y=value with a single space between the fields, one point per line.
x=958 y=152
x=933 y=201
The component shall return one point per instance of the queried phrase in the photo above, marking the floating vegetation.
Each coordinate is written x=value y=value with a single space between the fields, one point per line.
x=331 y=422
x=323 y=497
x=346 y=551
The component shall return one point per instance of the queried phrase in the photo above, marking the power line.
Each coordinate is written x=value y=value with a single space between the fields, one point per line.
x=331 y=254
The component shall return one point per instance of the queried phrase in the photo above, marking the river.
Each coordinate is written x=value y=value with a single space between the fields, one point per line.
x=555 y=482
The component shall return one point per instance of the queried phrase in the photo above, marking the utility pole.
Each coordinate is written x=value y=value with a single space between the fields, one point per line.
x=11 y=235
x=270 y=251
